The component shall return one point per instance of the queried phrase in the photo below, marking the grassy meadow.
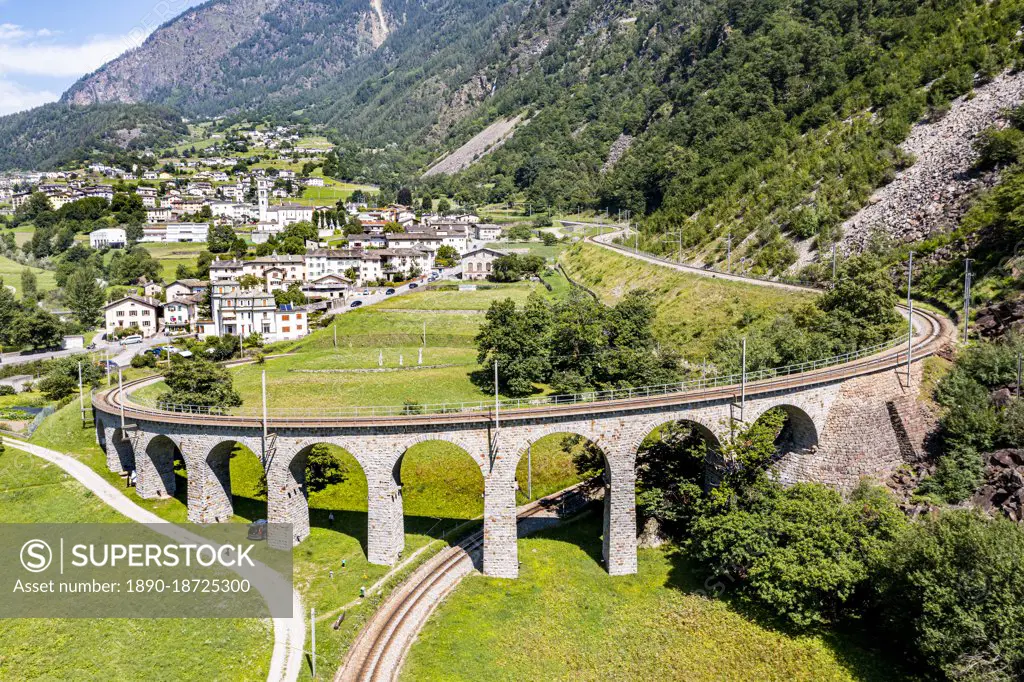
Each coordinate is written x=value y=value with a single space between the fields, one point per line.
x=693 y=311
x=170 y=256
x=10 y=272
x=566 y=618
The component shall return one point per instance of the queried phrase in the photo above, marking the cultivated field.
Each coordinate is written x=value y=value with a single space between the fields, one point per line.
x=10 y=272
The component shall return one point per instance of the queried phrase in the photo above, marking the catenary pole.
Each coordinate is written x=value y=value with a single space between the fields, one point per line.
x=910 y=316
x=968 y=276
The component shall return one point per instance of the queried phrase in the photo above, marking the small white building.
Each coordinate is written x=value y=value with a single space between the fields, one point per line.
x=176 y=233
x=479 y=264
x=108 y=238
x=132 y=312
x=488 y=233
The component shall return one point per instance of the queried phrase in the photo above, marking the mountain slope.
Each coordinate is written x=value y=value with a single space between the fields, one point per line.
x=58 y=134
x=229 y=54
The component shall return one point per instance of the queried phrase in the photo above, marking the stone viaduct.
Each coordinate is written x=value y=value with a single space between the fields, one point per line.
x=845 y=422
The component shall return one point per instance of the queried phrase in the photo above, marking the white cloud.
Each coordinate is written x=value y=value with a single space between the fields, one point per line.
x=15 y=97
x=41 y=59
x=11 y=32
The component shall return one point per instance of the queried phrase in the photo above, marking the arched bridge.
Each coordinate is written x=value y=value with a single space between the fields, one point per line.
x=146 y=439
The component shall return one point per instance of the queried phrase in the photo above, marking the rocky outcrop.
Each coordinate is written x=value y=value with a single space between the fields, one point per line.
x=935 y=191
x=1003 y=491
x=999 y=319
x=617 y=151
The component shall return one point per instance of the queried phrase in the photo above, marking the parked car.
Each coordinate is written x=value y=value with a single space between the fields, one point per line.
x=131 y=340
x=356 y=304
x=413 y=285
x=257 y=530
x=366 y=292
x=389 y=292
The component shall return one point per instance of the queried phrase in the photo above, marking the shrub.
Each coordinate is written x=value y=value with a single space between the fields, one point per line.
x=7 y=390
x=144 y=360
x=950 y=594
x=200 y=382
x=800 y=552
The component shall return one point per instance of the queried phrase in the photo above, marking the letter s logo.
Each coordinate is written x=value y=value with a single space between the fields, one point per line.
x=36 y=556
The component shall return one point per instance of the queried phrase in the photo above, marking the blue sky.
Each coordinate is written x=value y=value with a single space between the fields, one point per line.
x=46 y=45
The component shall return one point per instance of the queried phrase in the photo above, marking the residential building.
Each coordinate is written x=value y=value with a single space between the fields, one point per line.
x=328 y=287
x=479 y=264
x=175 y=232
x=158 y=215
x=367 y=241
x=180 y=315
x=185 y=288
x=132 y=312
x=488 y=233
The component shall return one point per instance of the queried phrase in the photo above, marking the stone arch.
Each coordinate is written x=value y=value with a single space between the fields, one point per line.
x=287 y=492
x=155 y=467
x=529 y=435
x=799 y=433
x=476 y=450
x=209 y=484
x=706 y=430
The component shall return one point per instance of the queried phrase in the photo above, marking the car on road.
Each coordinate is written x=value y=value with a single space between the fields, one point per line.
x=131 y=340
x=414 y=286
x=257 y=530
x=389 y=292
x=366 y=292
x=356 y=304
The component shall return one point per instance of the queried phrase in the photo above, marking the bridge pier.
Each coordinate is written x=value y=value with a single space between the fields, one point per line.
x=209 y=484
x=385 y=533
x=287 y=501
x=120 y=455
x=619 y=537
x=501 y=549
x=154 y=466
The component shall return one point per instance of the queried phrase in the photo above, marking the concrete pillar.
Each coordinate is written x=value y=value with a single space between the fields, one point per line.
x=286 y=500
x=120 y=455
x=209 y=484
x=155 y=467
x=385 y=537
x=501 y=550
x=619 y=545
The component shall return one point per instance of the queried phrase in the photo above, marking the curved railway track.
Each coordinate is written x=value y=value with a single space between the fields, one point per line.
x=379 y=651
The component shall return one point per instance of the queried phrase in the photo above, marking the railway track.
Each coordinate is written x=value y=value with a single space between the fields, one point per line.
x=379 y=651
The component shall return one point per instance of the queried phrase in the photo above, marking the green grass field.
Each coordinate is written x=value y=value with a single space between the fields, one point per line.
x=331 y=194
x=170 y=256
x=34 y=491
x=566 y=618
x=693 y=311
x=536 y=248
x=10 y=272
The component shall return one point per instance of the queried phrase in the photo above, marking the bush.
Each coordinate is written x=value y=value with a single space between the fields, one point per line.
x=958 y=474
x=799 y=552
x=144 y=360
x=61 y=380
x=7 y=390
x=950 y=594
x=200 y=382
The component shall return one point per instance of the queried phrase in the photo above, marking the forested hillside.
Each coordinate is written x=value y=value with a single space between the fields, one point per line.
x=58 y=134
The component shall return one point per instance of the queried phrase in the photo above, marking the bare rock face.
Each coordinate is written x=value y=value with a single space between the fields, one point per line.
x=933 y=194
x=1000 y=318
x=1003 y=491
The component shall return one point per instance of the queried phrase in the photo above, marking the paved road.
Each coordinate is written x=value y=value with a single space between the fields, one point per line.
x=378 y=294
x=286 y=662
x=605 y=241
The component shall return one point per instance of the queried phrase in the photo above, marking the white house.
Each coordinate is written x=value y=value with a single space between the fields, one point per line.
x=185 y=288
x=479 y=264
x=328 y=287
x=179 y=316
x=488 y=233
x=132 y=312
x=108 y=238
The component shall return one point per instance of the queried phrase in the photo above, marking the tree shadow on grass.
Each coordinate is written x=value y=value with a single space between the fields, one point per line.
x=853 y=650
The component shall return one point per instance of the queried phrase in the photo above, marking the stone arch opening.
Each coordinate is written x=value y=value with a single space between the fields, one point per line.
x=590 y=467
x=231 y=482
x=440 y=484
x=157 y=469
x=555 y=462
x=797 y=435
x=323 y=487
x=676 y=462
